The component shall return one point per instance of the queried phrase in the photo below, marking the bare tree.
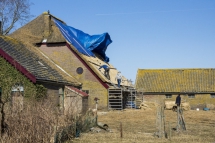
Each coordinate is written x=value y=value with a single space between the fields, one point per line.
x=13 y=12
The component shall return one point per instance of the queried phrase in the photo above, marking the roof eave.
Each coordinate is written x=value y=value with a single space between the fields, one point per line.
x=19 y=67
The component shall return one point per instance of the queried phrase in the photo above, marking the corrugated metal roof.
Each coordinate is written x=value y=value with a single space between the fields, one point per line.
x=175 y=80
x=32 y=62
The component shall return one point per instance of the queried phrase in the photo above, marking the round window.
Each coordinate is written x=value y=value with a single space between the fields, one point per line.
x=79 y=70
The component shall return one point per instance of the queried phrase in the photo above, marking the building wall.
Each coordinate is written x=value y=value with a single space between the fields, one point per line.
x=74 y=103
x=200 y=100
x=9 y=77
x=53 y=93
x=69 y=61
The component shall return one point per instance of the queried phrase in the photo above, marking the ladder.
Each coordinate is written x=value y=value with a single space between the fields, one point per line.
x=114 y=85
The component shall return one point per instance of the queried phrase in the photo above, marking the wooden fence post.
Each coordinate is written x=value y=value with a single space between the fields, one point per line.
x=121 y=134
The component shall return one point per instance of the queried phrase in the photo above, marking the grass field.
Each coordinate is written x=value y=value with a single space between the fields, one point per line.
x=139 y=126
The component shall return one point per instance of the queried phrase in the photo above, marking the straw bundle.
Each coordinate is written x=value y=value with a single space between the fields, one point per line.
x=185 y=106
x=169 y=105
x=147 y=105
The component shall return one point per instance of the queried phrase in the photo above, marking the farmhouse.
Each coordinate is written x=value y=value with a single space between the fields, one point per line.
x=196 y=86
x=26 y=72
x=62 y=45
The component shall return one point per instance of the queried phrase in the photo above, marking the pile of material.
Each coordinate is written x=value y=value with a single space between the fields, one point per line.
x=185 y=106
x=147 y=105
x=210 y=106
x=170 y=104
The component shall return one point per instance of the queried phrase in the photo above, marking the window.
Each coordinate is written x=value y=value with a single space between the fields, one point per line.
x=168 y=95
x=17 y=93
x=79 y=70
x=191 y=95
x=17 y=89
x=212 y=95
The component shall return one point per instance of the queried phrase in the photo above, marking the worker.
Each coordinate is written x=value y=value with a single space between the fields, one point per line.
x=119 y=78
x=106 y=72
x=178 y=100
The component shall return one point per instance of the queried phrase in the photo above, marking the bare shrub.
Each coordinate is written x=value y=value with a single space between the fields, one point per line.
x=44 y=121
x=36 y=122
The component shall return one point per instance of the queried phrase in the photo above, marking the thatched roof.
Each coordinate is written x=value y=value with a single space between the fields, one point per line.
x=39 y=29
x=175 y=80
x=95 y=62
x=44 y=28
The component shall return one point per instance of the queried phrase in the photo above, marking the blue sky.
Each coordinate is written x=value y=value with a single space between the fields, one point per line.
x=146 y=34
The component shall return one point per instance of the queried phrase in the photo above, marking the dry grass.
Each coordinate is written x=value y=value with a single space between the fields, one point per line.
x=138 y=126
x=38 y=121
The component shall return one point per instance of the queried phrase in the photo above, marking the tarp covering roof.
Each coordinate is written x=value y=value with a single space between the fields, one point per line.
x=84 y=42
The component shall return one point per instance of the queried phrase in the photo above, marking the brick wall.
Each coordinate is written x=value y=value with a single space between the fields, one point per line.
x=65 y=58
x=200 y=100
x=72 y=102
x=53 y=92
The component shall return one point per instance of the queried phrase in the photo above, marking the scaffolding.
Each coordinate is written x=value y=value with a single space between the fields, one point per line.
x=120 y=98
x=115 y=99
x=131 y=99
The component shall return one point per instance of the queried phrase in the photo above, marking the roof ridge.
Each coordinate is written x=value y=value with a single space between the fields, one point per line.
x=47 y=13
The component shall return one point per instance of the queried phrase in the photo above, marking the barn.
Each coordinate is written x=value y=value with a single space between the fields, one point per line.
x=196 y=85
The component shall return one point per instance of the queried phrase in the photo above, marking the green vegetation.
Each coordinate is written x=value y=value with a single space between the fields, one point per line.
x=9 y=76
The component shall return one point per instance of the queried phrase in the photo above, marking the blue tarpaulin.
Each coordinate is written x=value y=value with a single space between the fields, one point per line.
x=85 y=43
